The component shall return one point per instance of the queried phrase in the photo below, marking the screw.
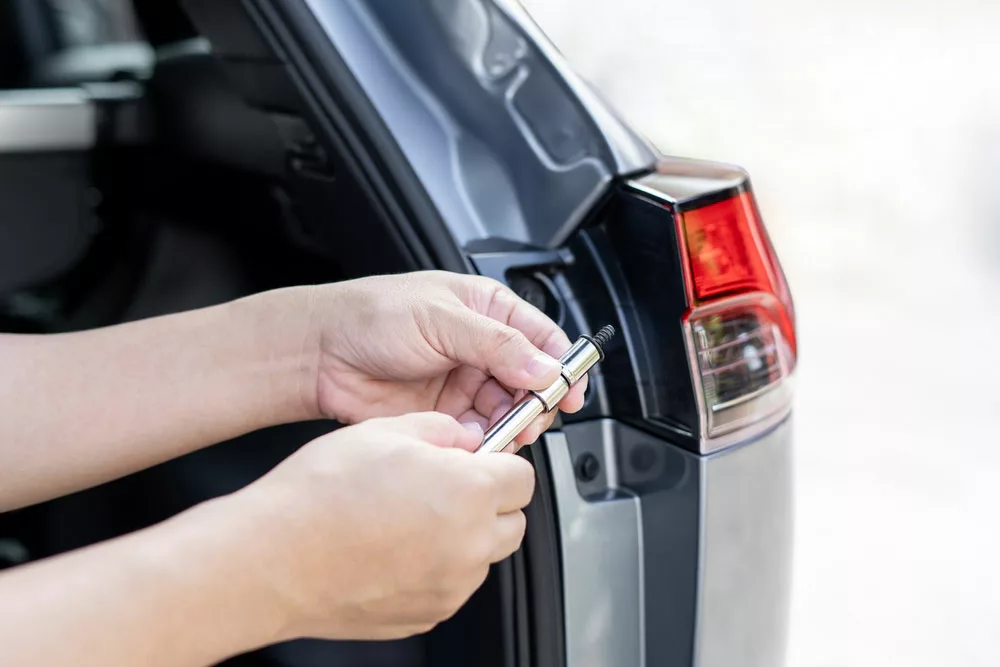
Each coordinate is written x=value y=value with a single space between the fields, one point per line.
x=643 y=458
x=587 y=467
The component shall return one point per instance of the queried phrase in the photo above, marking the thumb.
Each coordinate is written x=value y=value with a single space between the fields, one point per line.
x=498 y=350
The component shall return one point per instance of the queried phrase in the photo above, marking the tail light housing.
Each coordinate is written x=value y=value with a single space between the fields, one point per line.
x=740 y=325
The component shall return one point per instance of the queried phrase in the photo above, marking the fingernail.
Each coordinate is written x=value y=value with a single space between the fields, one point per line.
x=542 y=365
x=474 y=427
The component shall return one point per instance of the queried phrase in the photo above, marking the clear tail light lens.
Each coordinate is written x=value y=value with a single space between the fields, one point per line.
x=741 y=326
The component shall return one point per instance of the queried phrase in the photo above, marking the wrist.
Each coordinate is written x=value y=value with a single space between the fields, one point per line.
x=282 y=350
x=211 y=558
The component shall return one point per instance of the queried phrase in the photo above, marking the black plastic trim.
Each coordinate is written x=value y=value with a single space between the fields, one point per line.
x=543 y=568
x=354 y=129
x=667 y=483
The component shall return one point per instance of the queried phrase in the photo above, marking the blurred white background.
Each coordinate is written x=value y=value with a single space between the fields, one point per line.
x=871 y=129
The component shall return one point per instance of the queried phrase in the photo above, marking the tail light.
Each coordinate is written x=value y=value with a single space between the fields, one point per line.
x=741 y=322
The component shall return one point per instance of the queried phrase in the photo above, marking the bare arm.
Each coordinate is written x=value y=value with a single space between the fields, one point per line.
x=81 y=408
x=173 y=594
x=325 y=545
x=321 y=546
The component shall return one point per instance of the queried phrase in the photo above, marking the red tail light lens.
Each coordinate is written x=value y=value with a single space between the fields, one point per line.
x=741 y=325
x=730 y=253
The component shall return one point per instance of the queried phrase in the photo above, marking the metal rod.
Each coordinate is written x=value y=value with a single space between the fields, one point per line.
x=577 y=361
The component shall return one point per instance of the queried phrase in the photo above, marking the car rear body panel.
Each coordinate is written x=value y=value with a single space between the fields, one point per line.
x=493 y=123
x=671 y=558
x=746 y=553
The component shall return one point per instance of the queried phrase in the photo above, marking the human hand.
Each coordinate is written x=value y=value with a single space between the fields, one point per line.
x=466 y=346
x=383 y=529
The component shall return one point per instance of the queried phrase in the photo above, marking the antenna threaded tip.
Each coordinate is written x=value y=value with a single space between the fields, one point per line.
x=604 y=335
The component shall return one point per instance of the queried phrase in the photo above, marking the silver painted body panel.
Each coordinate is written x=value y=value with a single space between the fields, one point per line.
x=602 y=570
x=632 y=153
x=744 y=558
x=746 y=553
x=489 y=155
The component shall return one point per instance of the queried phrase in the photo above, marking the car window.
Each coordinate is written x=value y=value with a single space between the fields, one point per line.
x=83 y=23
x=92 y=41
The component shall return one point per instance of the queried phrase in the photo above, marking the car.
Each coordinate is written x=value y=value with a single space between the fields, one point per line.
x=203 y=150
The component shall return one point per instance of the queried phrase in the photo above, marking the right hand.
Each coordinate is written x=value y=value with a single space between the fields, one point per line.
x=384 y=529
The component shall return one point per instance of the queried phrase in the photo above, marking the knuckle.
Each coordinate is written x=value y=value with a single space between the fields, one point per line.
x=525 y=469
x=459 y=594
x=529 y=487
x=437 y=420
x=426 y=425
x=479 y=494
x=483 y=485
x=424 y=628
x=490 y=287
x=473 y=581
x=443 y=606
x=484 y=552
x=477 y=291
x=507 y=338
x=520 y=525
x=525 y=484
x=376 y=425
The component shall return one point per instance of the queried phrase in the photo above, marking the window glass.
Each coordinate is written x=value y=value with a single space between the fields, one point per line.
x=94 y=22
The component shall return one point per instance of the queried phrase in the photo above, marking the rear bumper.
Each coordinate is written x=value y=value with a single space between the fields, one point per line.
x=670 y=558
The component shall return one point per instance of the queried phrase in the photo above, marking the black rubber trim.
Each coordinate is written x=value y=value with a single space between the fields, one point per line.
x=543 y=568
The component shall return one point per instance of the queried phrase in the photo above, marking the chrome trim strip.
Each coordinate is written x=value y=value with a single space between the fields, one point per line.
x=602 y=564
x=682 y=181
x=53 y=119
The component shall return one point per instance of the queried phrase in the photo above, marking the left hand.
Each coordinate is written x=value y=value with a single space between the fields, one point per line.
x=466 y=346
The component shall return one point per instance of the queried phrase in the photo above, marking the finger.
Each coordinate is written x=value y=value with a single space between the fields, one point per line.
x=492 y=398
x=505 y=306
x=497 y=414
x=573 y=400
x=496 y=349
x=476 y=428
x=535 y=429
x=513 y=477
x=497 y=301
x=509 y=535
x=471 y=416
x=542 y=332
x=437 y=429
x=459 y=390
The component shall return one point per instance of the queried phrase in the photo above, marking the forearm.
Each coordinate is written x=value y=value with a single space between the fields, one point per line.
x=82 y=408
x=168 y=595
